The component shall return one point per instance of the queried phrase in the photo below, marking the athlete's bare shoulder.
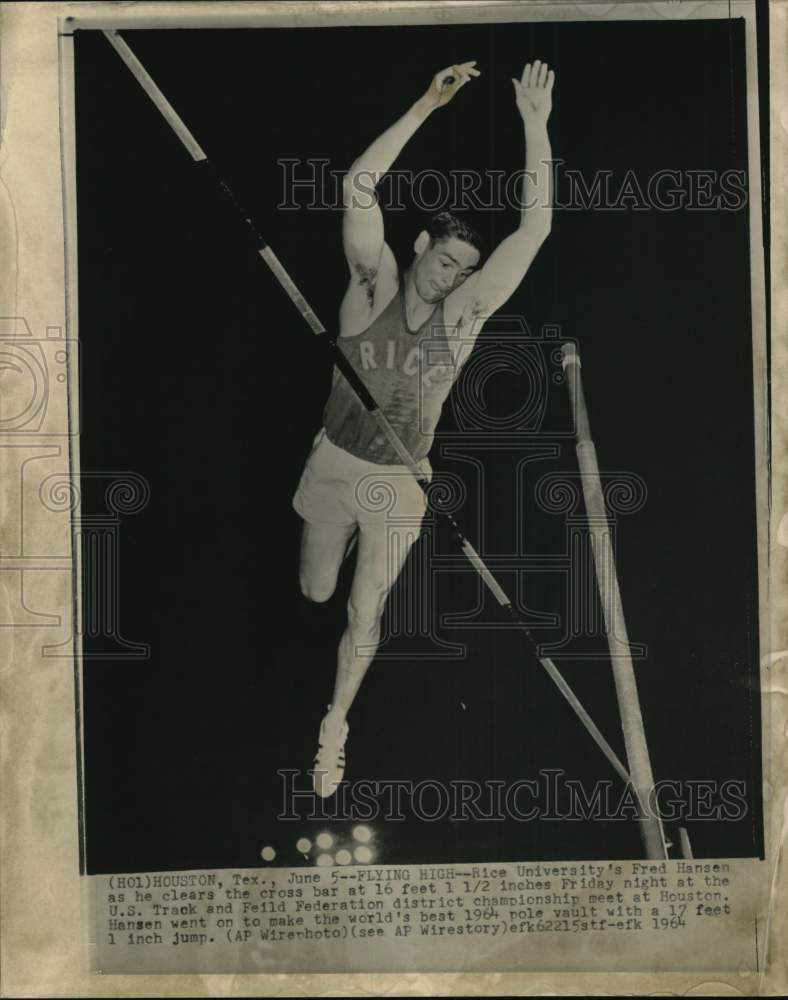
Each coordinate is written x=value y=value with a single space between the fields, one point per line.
x=368 y=293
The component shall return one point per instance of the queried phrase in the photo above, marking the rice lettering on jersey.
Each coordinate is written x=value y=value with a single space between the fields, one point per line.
x=409 y=374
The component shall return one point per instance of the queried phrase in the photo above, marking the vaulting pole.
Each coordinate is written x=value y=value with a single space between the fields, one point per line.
x=615 y=627
x=339 y=359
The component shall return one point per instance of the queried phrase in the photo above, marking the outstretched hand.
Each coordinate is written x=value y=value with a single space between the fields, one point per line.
x=446 y=83
x=534 y=92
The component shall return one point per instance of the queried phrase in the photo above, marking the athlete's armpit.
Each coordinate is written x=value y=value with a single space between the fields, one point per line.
x=370 y=278
x=367 y=277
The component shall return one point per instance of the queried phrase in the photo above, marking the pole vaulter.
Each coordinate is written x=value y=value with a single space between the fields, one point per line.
x=640 y=779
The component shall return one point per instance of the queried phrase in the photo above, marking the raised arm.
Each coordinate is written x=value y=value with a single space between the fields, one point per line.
x=506 y=266
x=362 y=225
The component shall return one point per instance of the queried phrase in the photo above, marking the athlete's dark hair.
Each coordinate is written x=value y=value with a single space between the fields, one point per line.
x=445 y=225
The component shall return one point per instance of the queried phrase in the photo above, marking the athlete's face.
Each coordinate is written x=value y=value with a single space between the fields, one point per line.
x=443 y=266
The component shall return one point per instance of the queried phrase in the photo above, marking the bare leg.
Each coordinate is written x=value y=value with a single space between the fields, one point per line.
x=323 y=547
x=382 y=552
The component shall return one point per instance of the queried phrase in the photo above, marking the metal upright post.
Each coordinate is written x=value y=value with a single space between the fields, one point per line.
x=615 y=626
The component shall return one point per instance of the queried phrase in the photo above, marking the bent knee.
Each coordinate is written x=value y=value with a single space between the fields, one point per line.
x=317 y=589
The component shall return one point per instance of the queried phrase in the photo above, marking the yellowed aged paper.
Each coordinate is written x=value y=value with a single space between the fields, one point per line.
x=52 y=919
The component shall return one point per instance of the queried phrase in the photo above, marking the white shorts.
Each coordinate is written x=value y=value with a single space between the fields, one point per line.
x=338 y=488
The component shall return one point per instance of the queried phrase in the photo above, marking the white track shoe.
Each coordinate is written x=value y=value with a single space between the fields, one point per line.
x=330 y=759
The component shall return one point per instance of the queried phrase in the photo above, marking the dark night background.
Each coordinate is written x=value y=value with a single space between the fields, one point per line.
x=198 y=374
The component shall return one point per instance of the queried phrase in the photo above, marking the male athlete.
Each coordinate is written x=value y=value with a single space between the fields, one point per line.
x=407 y=337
